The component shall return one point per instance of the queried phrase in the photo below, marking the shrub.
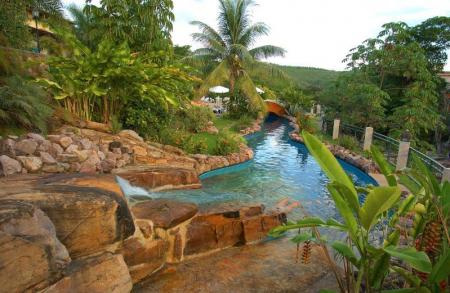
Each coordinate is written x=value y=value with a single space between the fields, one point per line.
x=194 y=145
x=196 y=118
x=348 y=142
x=227 y=143
x=146 y=118
x=307 y=122
x=116 y=126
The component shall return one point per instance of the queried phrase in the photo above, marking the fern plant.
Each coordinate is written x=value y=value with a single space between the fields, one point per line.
x=23 y=104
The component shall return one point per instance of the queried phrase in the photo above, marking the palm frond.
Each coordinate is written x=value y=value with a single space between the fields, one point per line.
x=209 y=31
x=267 y=51
x=251 y=33
x=218 y=76
x=246 y=85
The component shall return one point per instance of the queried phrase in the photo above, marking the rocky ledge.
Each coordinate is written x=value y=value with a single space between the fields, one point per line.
x=78 y=150
x=76 y=232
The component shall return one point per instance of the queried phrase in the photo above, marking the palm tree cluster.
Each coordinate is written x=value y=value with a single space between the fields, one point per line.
x=231 y=49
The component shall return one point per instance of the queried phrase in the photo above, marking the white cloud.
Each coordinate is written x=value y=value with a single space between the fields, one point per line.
x=316 y=33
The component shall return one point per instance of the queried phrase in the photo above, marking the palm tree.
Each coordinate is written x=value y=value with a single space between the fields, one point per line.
x=230 y=49
x=85 y=26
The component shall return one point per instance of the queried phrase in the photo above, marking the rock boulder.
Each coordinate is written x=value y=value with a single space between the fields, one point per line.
x=9 y=166
x=28 y=245
x=164 y=213
x=104 y=273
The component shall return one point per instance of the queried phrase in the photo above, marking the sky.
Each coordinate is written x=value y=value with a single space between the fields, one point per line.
x=315 y=33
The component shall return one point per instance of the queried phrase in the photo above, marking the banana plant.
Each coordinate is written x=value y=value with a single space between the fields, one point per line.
x=98 y=84
x=363 y=259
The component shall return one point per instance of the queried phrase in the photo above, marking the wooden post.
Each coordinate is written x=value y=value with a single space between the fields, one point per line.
x=446 y=175
x=337 y=122
x=319 y=110
x=368 y=138
x=402 y=157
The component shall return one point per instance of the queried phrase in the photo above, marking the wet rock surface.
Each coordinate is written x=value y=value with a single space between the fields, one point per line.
x=264 y=267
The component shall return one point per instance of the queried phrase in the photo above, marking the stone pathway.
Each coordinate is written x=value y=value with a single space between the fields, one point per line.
x=264 y=267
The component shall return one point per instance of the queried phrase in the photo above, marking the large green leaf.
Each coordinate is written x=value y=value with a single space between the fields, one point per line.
x=445 y=198
x=412 y=279
x=385 y=168
x=346 y=251
x=347 y=194
x=379 y=200
x=328 y=162
x=302 y=237
x=431 y=179
x=380 y=271
x=346 y=213
x=417 y=259
x=441 y=269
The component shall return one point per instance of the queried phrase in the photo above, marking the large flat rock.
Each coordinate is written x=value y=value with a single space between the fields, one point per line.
x=160 y=178
x=86 y=219
x=264 y=267
x=164 y=213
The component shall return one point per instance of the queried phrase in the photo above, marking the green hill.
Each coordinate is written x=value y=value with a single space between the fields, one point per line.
x=306 y=77
x=278 y=77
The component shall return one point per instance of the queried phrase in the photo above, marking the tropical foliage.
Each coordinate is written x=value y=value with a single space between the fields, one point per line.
x=230 y=50
x=145 y=25
x=393 y=83
x=423 y=252
x=96 y=85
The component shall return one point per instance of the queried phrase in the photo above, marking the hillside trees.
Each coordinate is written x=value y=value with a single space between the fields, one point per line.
x=393 y=82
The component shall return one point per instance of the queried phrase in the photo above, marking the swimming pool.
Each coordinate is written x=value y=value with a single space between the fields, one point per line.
x=281 y=168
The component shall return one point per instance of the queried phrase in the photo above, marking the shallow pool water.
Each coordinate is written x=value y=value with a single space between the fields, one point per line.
x=281 y=168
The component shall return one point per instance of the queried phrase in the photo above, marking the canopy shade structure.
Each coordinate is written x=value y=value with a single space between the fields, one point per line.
x=259 y=91
x=219 y=90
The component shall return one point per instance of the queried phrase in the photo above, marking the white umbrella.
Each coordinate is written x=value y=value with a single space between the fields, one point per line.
x=219 y=90
x=259 y=91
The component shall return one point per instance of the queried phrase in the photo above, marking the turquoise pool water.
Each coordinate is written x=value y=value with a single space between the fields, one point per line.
x=281 y=168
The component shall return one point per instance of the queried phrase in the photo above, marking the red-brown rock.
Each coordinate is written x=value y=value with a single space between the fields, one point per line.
x=160 y=178
x=164 y=213
x=144 y=256
x=99 y=274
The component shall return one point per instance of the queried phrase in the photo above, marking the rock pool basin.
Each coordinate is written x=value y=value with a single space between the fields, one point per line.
x=280 y=169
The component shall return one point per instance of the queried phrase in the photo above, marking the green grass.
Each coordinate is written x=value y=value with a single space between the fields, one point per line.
x=209 y=139
x=233 y=125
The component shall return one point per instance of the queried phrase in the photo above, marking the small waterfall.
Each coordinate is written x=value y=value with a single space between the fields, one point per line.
x=134 y=192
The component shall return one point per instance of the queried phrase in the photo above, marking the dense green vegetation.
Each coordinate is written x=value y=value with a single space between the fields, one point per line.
x=421 y=260
x=393 y=85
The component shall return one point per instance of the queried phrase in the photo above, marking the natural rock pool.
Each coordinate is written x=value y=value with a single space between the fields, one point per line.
x=281 y=168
